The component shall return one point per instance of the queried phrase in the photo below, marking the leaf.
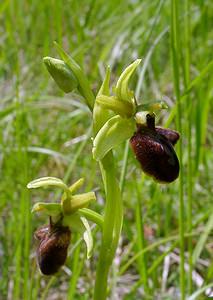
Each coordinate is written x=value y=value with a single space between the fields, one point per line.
x=115 y=131
x=199 y=78
x=201 y=290
x=50 y=209
x=202 y=239
x=122 y=90
x=87 y=236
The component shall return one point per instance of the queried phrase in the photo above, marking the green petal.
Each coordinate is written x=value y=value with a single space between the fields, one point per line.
x=60 y=72
x=87 y=236
x=115 y=131
x=76 y=185
x=122 y=91
x=78 y=201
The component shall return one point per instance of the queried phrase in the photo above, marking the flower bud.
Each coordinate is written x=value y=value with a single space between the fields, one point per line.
x=61 y=73
x=153 y=149
x=52 y=249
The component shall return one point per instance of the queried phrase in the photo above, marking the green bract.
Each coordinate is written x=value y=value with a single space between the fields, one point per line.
x=83 y=83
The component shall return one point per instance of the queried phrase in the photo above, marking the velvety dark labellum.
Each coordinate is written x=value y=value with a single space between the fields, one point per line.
x=52 y=249
x=153 y=148
x=172 y=135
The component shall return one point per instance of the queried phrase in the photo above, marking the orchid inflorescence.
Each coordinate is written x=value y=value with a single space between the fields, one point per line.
x=117 y=117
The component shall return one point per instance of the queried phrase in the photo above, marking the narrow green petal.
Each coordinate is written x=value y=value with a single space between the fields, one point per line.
x=87 y=236
x=76 y=185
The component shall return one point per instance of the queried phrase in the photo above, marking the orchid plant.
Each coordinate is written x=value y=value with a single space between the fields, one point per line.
x=116 y=118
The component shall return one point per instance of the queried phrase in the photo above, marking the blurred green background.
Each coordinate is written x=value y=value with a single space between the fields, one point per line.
x=44 y=132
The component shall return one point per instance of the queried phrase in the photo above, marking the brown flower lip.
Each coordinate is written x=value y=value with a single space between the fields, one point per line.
x=172 y=135
x=52 y=249
x=153 y=148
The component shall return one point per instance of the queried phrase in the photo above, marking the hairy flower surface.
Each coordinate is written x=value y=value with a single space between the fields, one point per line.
x=52 y=249
x=153 y=148
x=172 y=135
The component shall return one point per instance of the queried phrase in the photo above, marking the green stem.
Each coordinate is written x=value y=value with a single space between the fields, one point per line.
x=111 y=227
x=142 y=261
x=189 y=138
x=175 y=47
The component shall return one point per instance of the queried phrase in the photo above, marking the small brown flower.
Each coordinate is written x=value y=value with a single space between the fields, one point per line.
x=52 y=249
x=153 y=148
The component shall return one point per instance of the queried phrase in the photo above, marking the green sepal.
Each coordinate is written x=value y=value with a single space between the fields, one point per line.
x=83 y=83
x=61 y=73
x=100 y=114
x=50 y=181
x=76 y=202
x=122 y=90
x=46 y=181
x=49 y=209
x=115 y=131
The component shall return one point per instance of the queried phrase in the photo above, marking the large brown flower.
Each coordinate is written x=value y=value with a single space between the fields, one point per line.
x=153 y=148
